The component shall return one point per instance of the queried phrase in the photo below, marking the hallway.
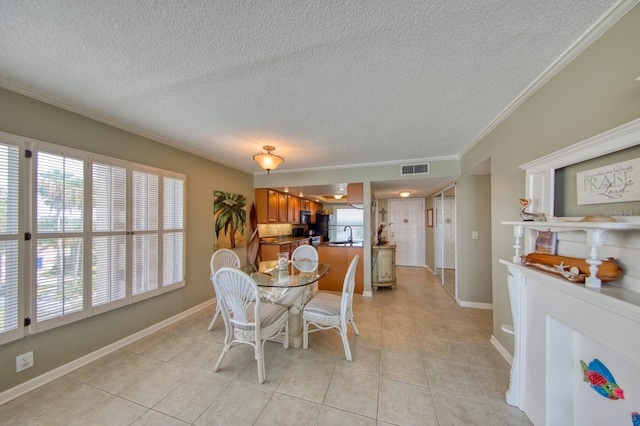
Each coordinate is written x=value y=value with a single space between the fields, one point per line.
x=419 y=359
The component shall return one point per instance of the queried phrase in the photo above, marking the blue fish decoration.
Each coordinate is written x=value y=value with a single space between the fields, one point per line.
x=635 y=418
x=601 y=379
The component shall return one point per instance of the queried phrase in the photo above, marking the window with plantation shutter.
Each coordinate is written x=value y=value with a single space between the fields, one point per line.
x=109 y=238
x=173 y=230
x=9 y=244
x=144 y=195
x=59 y=236
x=82 y=234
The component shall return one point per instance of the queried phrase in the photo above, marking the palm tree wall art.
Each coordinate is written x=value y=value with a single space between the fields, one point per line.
x=230 y=219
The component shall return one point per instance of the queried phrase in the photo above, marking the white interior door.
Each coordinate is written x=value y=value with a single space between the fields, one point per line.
x=406 y=230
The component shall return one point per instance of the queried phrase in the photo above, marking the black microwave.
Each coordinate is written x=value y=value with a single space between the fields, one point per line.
x=305 y=216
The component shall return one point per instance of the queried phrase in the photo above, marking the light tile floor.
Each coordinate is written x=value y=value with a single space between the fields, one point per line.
x=419 y=359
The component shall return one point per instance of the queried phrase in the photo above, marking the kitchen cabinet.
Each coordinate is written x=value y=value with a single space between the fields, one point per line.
x=339 y=258
x=293 y=209
x=283 y=200
x=270 y=251
x=314 y=208
x=267 y=205
x=355 y=194
x=278 y=207
x=384 y=266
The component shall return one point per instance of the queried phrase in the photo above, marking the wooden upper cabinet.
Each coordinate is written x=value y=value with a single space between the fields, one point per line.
x=278 y=207
x=267 y=205
x=283 y=200
x=293 y=209
x=355 y=193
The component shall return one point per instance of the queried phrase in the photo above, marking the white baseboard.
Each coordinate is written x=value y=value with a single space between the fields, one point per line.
x=56 y=373
x=505 y=354
x=476 y=305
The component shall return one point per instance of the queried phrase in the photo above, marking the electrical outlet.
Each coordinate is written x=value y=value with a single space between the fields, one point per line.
x=24 y=361
x=474 y=235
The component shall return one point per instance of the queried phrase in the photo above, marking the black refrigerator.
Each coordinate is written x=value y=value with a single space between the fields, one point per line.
x=323 y=225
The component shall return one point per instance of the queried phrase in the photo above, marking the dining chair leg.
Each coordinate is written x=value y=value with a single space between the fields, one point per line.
x=353 y=323
x=224 y=352
x=345 y=342
x=215 y=317
x=260 y=359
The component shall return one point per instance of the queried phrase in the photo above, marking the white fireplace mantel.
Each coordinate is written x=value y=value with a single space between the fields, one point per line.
x=557 y=323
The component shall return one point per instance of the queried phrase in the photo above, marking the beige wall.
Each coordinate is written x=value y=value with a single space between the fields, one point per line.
x=473 y=213
x=24 y=116
x=596 y=92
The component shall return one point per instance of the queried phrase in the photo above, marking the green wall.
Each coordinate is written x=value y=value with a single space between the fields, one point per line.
x=596 y=92
x=27 y=117
x=473 y=213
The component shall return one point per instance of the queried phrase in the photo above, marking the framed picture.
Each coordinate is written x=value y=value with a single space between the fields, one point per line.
x=430 y=218
x=230 y=218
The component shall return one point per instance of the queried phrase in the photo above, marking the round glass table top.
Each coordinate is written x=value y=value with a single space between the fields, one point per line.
x=269 y=274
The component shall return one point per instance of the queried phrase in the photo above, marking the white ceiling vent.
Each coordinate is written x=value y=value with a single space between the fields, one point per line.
x=415 y=169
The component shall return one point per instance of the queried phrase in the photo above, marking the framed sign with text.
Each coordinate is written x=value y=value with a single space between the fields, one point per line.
x=614 y=183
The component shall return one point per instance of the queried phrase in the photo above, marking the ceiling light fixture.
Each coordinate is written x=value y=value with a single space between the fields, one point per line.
x=337 y=196
x=405 y=194
x=268 y=161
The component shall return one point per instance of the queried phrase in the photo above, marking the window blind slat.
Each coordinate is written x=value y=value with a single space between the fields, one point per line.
x=9 y=220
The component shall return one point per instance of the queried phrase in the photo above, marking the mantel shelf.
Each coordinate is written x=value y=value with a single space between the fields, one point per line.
x=560 y=226
x=596 y=234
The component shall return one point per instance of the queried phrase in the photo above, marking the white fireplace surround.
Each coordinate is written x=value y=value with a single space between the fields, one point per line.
x=557 y=323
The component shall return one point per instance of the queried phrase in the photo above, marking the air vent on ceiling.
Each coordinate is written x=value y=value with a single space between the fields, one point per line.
x=415 y=169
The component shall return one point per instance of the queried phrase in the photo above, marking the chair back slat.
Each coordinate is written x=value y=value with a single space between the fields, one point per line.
x=349 y=285
x=305 y=258
x=240 y=295
x=223 y=258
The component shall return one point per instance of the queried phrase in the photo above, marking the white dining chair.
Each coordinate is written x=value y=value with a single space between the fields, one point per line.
x=220 y=259
x=305 y=258
x=248 y=320
x=326 y=311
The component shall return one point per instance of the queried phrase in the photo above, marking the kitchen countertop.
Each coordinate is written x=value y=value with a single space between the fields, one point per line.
x=342 y=244
x=282 y=240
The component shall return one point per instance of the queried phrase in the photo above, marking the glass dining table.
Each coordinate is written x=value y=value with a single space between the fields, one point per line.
x=291 y=286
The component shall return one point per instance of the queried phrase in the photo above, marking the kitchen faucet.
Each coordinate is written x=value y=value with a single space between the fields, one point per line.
x=350 y=239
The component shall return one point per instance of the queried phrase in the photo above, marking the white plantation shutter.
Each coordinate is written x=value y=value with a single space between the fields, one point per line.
x=173 y=230
x=9 y=258
x=59 y=237
x=144 y=242
x=109 y=223
x=81 y=234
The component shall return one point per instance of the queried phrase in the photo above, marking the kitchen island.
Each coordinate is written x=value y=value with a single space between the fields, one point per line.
x=339 y=256
x=271 y=246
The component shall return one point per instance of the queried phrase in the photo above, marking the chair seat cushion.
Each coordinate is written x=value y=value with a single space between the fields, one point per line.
x=326 y=304
x=270 y=313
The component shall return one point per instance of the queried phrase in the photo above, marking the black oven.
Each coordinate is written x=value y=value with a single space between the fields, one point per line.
x=305 y=216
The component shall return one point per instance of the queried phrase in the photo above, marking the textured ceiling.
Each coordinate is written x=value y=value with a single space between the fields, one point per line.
x=328 y=83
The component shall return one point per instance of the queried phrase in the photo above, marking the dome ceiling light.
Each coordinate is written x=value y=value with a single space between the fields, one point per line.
x=268 y=161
